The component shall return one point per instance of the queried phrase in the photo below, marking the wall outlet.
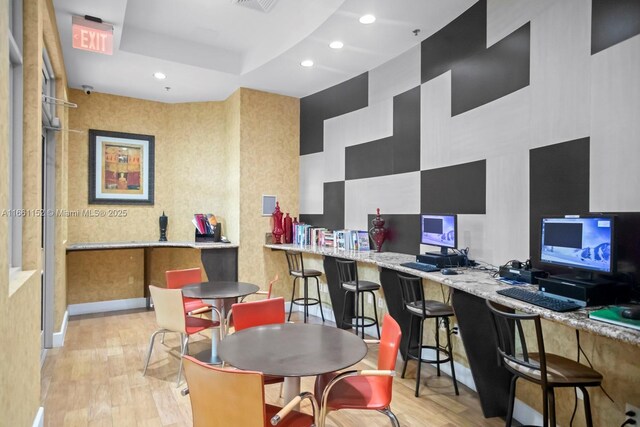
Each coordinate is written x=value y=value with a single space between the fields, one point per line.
x=369 y=299
x=630 y=408
x=579 y=394
x=380 y=302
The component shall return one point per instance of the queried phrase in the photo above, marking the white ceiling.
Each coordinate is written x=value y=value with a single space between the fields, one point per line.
x=209 y=48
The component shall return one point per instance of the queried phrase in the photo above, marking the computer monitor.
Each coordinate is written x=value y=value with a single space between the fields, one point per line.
x=584 y=243
x=440 y=230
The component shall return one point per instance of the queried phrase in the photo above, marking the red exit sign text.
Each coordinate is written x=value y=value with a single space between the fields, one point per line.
x=92 y=36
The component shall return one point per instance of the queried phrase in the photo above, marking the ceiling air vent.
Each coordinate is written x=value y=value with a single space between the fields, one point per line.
x=261 y=5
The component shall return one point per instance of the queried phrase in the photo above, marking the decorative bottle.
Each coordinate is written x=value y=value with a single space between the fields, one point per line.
x=164 y=221
x=378 y=232
x=288 y=228
x=277 y=224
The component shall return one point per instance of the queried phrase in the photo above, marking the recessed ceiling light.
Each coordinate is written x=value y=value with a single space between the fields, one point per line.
x=336 y=44
x=159 y=75
x=367 y=19
x=307 y=63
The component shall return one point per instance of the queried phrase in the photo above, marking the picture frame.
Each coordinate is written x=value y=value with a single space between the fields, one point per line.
x=121 y=168
x=268 y=204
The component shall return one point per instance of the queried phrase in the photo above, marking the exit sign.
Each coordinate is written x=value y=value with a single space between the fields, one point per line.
x=92 y=36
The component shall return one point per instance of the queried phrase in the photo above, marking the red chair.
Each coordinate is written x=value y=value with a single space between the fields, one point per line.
x=230 y=397
x=258 y=313
x=265 y=292
x=368 y=389
x=177 y=279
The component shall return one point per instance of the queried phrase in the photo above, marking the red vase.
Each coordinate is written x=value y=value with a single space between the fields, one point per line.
x=288 y=228
x=378 y=233
x=277 y=224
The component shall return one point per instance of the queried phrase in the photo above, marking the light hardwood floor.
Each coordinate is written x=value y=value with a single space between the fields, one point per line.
x=96 y=380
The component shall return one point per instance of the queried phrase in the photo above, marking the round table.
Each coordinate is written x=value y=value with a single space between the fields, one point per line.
x=211 y=293
x=292 y=350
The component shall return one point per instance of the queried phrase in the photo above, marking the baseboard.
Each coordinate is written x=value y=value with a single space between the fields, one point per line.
x=525 y=414
x=106 y=306
x=58 y=337
x=38 y=421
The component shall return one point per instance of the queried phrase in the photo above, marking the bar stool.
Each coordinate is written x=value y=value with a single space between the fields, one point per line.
x=297 y=271
x=414 y=303
x=547 y=370
x=348 y=277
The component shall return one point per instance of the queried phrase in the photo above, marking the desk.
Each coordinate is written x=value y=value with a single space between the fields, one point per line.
x=220 y=260
x=215 y=293
x=470 y=290
x=292 y=350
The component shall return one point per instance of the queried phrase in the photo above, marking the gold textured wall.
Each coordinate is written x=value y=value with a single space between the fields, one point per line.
x=269 y=150
x=20 y=296
x=217 y=157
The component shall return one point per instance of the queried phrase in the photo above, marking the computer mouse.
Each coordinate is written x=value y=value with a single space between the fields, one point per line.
x=632 y=313
x=448 y=272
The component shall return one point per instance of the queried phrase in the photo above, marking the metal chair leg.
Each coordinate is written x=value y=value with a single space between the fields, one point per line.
x=162 y=339
x=153 y=336
x=391 y=415
x=587 y=406
x=512 y=399
x=185 y=344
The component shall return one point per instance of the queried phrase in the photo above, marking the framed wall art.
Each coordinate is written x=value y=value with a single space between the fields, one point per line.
x=121 y=170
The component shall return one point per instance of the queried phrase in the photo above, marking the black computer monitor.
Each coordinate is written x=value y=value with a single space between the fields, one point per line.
x=440 y=230
x=585 y=243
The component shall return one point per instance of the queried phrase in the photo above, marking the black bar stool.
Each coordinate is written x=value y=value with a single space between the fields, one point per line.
x=547 y=370
x=297 y=271
x=414 y=303
x=348 y=277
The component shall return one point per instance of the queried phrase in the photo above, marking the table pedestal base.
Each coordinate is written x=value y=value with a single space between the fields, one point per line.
x=205 y=357
x=291 y=389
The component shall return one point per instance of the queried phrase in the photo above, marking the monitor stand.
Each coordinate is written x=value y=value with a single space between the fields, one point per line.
x=442 y=259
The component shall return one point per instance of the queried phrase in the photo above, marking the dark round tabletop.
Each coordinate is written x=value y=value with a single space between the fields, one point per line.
x=292 y=349
x=219 y=290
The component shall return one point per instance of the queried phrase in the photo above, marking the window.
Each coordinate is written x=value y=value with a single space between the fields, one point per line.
x=15 y=134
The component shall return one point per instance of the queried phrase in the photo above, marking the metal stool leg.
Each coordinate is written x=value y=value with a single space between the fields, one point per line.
x=587 y=407
x=438 y=345
x=512 y=398
x=293 y=296
x=450 y=351
x=319 y=299
x=552 y=407
x=355 y=310
x=305 y=301
x=375 y=313
x=362 y=312
x=417 y=394
x=344 y=309
x=545 y=408
x=406 y=349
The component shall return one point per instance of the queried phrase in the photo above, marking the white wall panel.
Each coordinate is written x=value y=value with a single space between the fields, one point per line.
x=506 y=16
x=491 y=129
x=395 y=76
x=615 y=128
x=312 y=183
x=393 y=194
x=560 y=59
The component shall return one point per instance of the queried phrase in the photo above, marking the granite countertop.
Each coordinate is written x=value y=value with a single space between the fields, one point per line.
x=480 y=283
x=148 y=244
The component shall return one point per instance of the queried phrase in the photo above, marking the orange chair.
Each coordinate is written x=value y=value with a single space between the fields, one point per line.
x=170 y=317
x=367 y=389
x=258 y=313
x=265 y=292
x=230 y=397
x=177 y=279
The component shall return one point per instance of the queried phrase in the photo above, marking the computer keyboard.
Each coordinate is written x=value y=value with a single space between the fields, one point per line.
x=421 y=266
x=539 y=299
